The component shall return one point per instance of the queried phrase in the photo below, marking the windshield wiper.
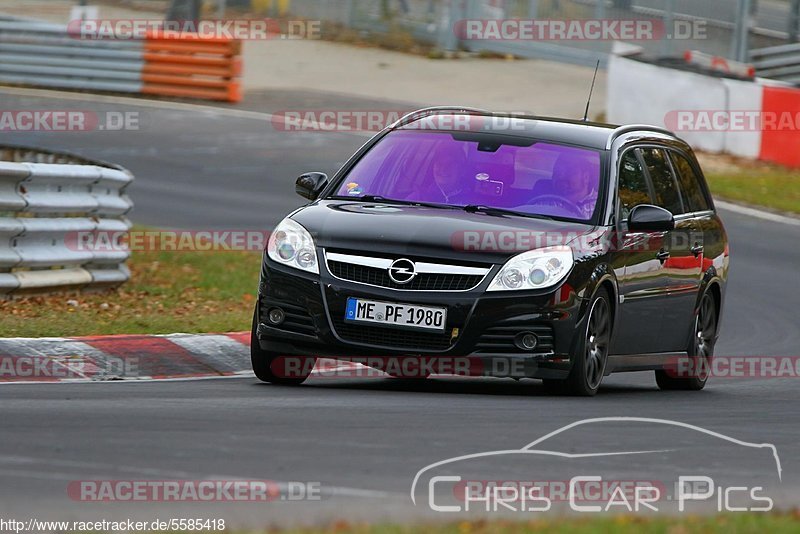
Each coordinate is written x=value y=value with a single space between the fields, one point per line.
x=378 y=198
x=370 y=198
x=500 y=212
x=488 y=210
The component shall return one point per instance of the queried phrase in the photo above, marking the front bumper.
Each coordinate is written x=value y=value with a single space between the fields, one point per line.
x=480 y=326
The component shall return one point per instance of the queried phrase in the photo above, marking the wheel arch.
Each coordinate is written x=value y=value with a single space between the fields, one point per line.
x=604 y=277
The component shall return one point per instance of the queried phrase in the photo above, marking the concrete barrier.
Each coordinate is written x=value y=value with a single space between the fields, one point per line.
x=756 y=120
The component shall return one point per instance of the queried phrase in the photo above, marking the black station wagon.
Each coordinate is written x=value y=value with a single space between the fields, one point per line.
x=529 y=247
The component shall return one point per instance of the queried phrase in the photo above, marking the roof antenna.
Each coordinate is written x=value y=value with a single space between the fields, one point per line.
x=591 y=91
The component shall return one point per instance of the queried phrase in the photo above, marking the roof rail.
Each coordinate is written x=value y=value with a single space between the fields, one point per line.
x=437 y=110
x=622 y=130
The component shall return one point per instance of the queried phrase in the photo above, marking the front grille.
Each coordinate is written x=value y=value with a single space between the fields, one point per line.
x=500 y=339
x=391 y=337
x=375 y=276
x=297 y=319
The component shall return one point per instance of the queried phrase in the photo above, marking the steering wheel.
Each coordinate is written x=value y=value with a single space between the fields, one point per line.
x=557 y=200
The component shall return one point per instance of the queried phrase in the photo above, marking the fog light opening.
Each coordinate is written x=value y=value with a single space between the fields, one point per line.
x=276 y=316
x=526 y=341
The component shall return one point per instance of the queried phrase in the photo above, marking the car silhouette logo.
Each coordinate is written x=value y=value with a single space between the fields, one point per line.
x=402 y=271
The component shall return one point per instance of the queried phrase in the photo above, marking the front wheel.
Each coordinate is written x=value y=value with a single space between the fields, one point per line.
x=267 y=365
x=591 y=358
x=700 y=351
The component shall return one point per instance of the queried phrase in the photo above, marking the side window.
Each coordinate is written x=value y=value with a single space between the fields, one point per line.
x=692 y=192
x=664 y=184
x=632 y=184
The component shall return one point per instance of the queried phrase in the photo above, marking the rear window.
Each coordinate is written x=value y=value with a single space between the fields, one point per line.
x=664 y=184
x=691 y=190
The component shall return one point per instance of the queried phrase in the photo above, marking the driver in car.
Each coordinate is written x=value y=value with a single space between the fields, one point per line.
x=449 y=179
x=574 y=180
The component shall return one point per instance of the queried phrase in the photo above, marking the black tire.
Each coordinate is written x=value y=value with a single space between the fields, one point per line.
x=700 y=349
x=262 y=361
x=591 y=357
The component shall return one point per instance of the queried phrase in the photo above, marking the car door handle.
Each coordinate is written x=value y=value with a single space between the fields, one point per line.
x=663 y=255
x=697 y=250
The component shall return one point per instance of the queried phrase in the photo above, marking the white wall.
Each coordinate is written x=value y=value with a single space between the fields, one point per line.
x=641 y=93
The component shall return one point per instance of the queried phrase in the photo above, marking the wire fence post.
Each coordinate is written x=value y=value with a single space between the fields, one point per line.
x=533 y=8
x=600 y=10
x=349 y=14
x=447 y=40
x=739 y=47
x=669 y=27
x=794 y=20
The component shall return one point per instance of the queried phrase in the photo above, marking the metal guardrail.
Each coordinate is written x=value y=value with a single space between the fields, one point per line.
x=778 y=62
x=49 y=55
x=49 y=204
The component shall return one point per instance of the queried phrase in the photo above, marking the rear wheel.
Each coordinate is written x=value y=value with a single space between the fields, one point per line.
x=266 y=363
x=591 y=358
x=700 y=351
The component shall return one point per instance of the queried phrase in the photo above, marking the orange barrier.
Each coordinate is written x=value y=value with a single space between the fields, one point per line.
x=192 y=67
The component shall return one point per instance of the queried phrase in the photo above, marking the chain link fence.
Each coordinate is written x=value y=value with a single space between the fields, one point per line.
x=726 y=28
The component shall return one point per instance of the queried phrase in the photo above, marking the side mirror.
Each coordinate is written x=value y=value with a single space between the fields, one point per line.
x=648 y=218
x=311 y=184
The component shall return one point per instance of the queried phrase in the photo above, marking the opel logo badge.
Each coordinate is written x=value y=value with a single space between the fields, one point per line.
x=402 y=271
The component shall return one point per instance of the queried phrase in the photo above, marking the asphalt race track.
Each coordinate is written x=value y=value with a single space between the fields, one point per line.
x=364 y=439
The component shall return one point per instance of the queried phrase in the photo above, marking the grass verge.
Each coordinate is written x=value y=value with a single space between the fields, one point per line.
x=756 y=183
x=168 y=292
x=774 y=523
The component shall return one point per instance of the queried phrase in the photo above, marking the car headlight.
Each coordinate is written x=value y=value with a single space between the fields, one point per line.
x=291 y=244
x=535 y=269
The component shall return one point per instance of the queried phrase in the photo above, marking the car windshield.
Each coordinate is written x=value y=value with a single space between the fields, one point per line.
x=463 y=169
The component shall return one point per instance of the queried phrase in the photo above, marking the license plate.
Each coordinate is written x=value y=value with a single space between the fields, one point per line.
x=394 y=314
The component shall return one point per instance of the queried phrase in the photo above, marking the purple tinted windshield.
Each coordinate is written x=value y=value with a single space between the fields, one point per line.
x=538 y=179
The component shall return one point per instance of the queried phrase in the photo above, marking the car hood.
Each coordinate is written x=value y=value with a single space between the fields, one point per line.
x=361 y=227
